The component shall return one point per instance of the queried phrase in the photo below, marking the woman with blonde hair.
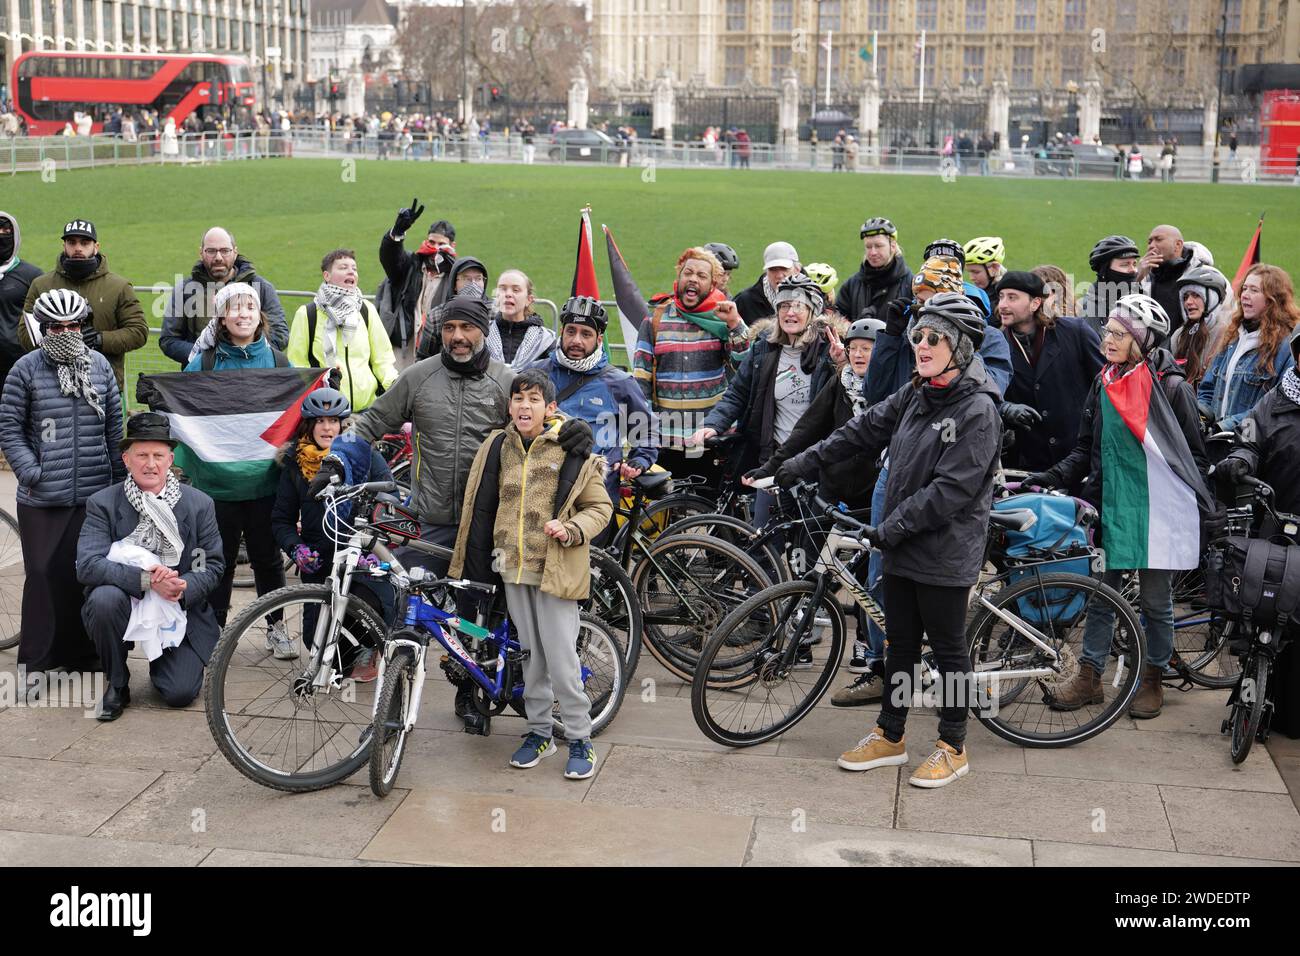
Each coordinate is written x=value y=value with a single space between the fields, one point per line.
x=1251 y=356
x=517 y=336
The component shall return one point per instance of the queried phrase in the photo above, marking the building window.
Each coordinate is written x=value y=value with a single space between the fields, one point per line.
x=1234 y=16
x=1071 y=64
x=735 y=65
x=780 y=62
x=223 y=33
x=1175 y=62
x=927 y=14
x=829 y=15
x=1026 y=15
x=1126 y=15
x=128 y=23
x=977 y=16
x=106 y=20
x=1022 y=67
x=69 y=17
x=178 y=38
x=1178 y=20
x=1262 y=23
x=929 y=66
x=881 y=62
x=735 y=14
x=972 y=65
x=782 y=16
x=1076 y=14
x=877 y=14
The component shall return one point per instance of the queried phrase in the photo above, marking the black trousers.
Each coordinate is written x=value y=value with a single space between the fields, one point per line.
x=52 y=632
x=913 y=609
x=177 y=674
x=252 y=521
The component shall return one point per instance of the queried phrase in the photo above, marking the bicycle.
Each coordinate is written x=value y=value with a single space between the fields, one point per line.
x=1250 y=705
x=1021 y=638
x=299 y=726
x=12 y=576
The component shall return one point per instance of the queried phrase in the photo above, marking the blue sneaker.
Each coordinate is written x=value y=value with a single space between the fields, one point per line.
x=531 y=752
x=582 y=760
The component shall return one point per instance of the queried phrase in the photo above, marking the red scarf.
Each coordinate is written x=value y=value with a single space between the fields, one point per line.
x=429 y=248
x=707 y=304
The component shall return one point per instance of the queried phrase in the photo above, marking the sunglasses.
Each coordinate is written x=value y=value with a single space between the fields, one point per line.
x=930 y=338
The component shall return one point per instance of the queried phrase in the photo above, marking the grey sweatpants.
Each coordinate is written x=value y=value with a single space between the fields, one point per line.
x=548 y=630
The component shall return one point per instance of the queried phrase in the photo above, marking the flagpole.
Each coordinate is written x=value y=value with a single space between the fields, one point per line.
x=875 y=52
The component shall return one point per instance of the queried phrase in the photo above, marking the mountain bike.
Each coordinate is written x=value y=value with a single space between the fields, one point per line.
x=1025 y=639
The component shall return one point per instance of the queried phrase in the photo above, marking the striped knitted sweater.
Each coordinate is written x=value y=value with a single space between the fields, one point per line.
x=684 y=370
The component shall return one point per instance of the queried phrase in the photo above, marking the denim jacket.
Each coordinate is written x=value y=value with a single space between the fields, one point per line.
x=1249 y=383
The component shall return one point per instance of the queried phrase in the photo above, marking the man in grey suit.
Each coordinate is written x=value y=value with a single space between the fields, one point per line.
x=172 y=522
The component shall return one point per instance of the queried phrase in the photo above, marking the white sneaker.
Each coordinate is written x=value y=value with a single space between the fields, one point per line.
x=279 y=643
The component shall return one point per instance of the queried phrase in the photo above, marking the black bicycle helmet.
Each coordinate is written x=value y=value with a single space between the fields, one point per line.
x=725 y=255
x=326 y=403
x=584 y=310
x=59 y=305
x=797 y=287
x=879 y=226
x=1110 y=248
x=863 y=329
x=946 y=247
x=960 y=310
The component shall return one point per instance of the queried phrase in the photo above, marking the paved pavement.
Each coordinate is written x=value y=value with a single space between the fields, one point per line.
x=151 y=789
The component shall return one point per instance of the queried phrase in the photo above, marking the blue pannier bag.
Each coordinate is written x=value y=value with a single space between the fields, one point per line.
x=1059 y=536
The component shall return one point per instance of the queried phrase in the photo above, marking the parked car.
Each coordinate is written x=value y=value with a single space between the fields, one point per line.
x=1083 y=159
x=589 y=145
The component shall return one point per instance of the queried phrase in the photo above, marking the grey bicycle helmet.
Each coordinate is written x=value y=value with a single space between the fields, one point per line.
x=863 y=329
x=877 y=226
x=797 y=287
x=326 y=403
x=725 y=255
x=960 y=310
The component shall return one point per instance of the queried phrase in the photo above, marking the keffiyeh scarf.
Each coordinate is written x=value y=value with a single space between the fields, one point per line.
x=158 y=530
x=207 y=339
x=1291 y=385
x=530 y=349
x=71 y=358
x=853 y=385
x=342 y=306
x=579 y=365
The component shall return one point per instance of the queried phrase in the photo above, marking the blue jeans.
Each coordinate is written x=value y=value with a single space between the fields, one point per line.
x=1157 y=602
x=875 y=636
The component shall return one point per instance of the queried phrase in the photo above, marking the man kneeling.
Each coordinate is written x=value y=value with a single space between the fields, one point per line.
x=149 y=554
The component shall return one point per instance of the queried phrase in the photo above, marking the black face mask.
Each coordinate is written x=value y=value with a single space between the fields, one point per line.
x=6 y=248
x=78 y=269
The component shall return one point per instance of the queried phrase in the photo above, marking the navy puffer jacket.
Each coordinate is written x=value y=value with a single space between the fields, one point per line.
x=60 y=450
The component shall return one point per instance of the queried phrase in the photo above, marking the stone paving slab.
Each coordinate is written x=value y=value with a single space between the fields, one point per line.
x=145 y=739
x=452 y=828
x=244 y=858
x=54 y=849
x=667 y=723
x=745 y=785
x=1199 y=711
x=776 y=843
x=1227 y=823
x=1040 y=808
x=42 y=732
x=1047 y=853
x=44 y=796
x=220 y=810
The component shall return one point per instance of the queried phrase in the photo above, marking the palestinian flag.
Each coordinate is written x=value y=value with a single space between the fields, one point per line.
x=1251 y=258
x=632 y=308
x=584 y=267
x=231 y=423
x=1151 y=489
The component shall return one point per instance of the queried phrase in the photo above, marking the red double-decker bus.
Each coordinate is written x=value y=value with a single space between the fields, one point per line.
x=49 y=87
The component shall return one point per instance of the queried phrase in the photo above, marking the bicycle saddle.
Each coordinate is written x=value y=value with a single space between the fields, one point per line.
x=1014 y=519
x=655 y=485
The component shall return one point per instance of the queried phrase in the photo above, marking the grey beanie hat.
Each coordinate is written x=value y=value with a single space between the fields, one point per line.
x=963 y=349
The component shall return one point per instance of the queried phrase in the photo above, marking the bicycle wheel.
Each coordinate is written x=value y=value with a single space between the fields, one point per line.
x=733 y=530
x=389 y=730
x=658 y=515
x=613 y=599
x=603 y=670
x=1202 y=643
x=12 y=576
x=267 y=720
x=1248 y=708
x=686 y=585
x=1018 y=706
x=402 y=475
x=757 y=644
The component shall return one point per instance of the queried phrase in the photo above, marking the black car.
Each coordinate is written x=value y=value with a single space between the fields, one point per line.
x=1084 y=159
x=584 y=145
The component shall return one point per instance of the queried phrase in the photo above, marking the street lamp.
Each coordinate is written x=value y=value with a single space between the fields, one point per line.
x=1218 y=105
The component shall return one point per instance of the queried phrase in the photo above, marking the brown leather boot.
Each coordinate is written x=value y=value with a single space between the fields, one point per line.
x=1150 y=696
x=1084 y=688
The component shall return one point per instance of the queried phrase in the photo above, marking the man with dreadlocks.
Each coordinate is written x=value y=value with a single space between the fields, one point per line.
x=149 y=555
x=60 y=423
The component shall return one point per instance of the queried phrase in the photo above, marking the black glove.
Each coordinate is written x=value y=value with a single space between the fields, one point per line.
x=1207 y=413
x=1215 y=524
x=576 y=438
x=406 y=217
x=787 y=476
x=93 y=338
x=336 y=379
x=330 y=473
x=868 y=536
x=762 y=471
x=1020 y=416
x=1232 y=469
x=1039 y=479
x=896 y=316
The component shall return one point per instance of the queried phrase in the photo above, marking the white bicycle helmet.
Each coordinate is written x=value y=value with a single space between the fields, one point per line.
x=59 y=305
x=1148 y=313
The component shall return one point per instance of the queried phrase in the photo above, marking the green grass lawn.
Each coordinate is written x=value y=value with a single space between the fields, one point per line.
x=286 y=213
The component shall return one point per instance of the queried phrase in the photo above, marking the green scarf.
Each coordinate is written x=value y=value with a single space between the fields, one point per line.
x=704 y=319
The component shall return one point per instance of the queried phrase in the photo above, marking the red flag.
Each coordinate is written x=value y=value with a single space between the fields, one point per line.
x=286 y=426
x=584 y=270
x=1251 y=258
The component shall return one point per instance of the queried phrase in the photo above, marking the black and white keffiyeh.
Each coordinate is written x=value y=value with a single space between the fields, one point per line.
x=71 y=358
x=1291 y=385
x=158 y=530
x=342 y=306
x=579 y=365
x=853 y=385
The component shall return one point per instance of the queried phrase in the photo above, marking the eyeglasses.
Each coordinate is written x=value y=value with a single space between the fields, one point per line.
x=930 y=338
x=56 y=327
x=1109 y=333
x=217 y=252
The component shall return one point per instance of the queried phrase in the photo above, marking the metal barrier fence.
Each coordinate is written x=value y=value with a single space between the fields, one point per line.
x=150 y=360
x=50 y=154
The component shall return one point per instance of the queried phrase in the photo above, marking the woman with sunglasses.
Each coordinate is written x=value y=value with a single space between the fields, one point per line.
x=943 y=435
x=60 y=424
x=1133 y=337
